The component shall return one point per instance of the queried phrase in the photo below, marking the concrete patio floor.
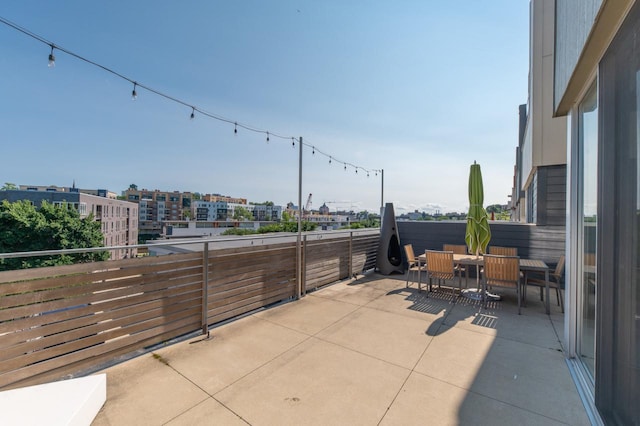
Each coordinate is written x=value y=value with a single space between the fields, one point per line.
x=368 y=352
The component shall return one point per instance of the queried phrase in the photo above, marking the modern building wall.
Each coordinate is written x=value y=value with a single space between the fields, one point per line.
x=118 y=219
x=542 y=152
x=209 y=210
x=597 y=86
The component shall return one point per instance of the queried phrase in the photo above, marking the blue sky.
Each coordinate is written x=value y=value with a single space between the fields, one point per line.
x=420 y=89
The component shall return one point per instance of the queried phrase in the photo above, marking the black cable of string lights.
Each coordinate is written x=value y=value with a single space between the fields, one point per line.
x=194 y=108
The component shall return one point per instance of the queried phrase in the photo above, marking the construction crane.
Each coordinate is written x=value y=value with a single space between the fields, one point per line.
x=307 y=207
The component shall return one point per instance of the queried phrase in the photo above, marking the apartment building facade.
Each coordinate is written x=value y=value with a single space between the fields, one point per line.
x=223 y=198
x=156 y=207
x=211 y=211
x=118 y=219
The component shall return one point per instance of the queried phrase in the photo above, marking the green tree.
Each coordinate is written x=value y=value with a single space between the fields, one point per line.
x=8 y=186
x=133 y=186
x=239 y=231
x=274 y=227
x=24 y=227
x=286 y=217
x=241 y=213
x=494 y=208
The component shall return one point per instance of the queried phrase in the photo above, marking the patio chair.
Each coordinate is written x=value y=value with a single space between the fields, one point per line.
x=414 y=264
x=503 y=251
x=440 y=266
x=501 y=271
x=554 y=282
x=459 y=249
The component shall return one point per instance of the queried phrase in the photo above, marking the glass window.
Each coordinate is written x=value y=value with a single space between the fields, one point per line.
x=588 y=152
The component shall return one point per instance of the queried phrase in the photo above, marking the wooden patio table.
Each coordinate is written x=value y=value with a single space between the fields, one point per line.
x=526 y=265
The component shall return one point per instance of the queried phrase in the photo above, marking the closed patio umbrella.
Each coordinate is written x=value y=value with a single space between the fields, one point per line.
x=478 y=233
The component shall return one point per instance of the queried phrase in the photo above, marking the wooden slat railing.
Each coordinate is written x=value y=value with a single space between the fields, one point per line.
x=59 y=321
x=77 y=317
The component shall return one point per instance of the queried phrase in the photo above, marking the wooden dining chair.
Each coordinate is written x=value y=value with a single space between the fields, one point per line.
x=503 y=251
x=534 y=278
x=460 y=269
x=501 y=271
x=440 y=266
x=414 y=264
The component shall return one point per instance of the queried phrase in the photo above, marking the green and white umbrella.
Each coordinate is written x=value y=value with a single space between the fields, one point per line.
x=478 y=233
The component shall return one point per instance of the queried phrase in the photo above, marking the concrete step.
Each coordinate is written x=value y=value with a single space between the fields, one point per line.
x=67 y=402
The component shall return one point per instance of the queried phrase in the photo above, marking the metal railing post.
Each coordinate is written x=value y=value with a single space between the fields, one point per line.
x=304 y=266
x=205 y=290
x=299 y=237
x=351 y=274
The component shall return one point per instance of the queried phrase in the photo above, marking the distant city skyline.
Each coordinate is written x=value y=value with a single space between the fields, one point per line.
x=420 y=90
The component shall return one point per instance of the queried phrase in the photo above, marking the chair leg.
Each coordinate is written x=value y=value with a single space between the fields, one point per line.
x=561 y=300
x=484 y=293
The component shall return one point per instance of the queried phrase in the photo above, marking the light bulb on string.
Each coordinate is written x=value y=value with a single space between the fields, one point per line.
x=235 y=128
x=367 y=174
x=293 y=142
x=329 y=160
x=193 y=113
x=267 y=137
x=345 y=167
x=356 y=171
x=313 y=150
x=134 y=94
x=52 y=59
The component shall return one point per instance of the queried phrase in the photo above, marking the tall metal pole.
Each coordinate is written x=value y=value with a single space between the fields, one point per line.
x=382 y=191
x=299 y=239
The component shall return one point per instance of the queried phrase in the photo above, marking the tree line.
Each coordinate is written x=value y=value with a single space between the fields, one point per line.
x=25 y=227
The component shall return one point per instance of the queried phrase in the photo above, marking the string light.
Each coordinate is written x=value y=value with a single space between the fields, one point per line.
x=345 y=167
x=52 y=59
x=134 y=95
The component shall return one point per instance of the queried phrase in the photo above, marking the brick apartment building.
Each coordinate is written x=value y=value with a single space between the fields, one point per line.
x=156 y=207
x=118 y=218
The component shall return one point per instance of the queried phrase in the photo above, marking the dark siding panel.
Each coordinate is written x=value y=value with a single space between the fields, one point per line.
x=536 y=242
x=551 y=195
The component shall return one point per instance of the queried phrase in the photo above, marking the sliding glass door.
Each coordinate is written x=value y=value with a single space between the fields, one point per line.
x=617 y=371
x=588 y=224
